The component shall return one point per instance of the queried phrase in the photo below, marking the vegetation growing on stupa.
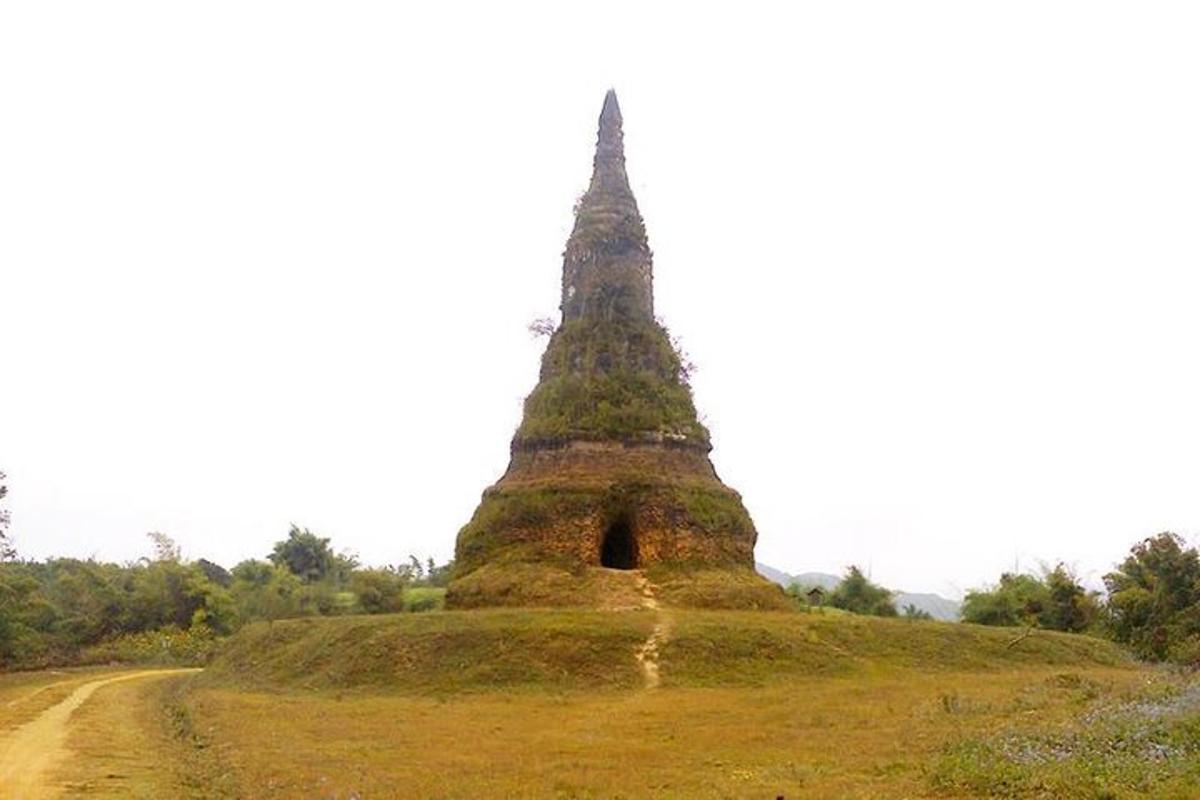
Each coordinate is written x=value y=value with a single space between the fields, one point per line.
x=607 y=231
x=611 y=379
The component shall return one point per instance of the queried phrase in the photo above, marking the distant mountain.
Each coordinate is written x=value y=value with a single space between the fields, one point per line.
x=811 y=579
x=805 y=579
x=935 y=605
x=772 y=574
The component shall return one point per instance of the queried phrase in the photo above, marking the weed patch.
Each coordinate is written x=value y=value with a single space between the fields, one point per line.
x=1144 y=745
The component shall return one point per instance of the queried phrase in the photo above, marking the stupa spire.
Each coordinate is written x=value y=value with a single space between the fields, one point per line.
x=608 y=168
x=607 y=266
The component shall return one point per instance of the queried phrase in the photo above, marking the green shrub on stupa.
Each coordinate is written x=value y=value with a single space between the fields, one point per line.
x=611 y=379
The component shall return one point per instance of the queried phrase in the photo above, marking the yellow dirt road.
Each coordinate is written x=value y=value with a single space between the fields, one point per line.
x=28 y=753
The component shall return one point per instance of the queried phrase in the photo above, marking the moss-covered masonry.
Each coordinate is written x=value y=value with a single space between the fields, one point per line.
x=611 y=380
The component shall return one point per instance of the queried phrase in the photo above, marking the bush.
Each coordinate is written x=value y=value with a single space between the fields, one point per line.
x=1054 y=601
x=378 y=591
x=424 y=598
x=194 y=647
x=857 y=594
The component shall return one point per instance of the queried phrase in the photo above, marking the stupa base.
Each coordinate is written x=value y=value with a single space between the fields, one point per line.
x=540 y=585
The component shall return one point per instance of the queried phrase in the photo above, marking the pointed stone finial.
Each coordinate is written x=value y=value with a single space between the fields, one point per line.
x=608 y=168
x=610 y=143
x=607 y=269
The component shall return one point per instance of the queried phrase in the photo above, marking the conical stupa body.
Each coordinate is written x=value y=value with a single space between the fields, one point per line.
x=610 y=465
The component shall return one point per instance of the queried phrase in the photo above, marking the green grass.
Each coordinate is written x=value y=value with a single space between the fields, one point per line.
x=497 y=529
x=544 y=584
x=424 y=598
x=1145 y=742
x=716 y=648
x=437 y=653
x=732 y=588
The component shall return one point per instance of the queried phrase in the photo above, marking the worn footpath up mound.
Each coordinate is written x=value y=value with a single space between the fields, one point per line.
x=557 y=650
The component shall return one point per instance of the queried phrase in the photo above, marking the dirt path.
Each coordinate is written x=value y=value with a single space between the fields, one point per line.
x=29 y=752
x=647 y=654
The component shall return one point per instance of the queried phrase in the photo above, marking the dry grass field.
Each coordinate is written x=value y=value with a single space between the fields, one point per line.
x=867 y=736
x=550 y=704
x=553 y=704
x=124 y=746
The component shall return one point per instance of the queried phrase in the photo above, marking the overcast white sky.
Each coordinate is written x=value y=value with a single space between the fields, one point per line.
x=264 y=263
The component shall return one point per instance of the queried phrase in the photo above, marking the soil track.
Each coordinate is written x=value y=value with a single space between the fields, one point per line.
x=28 y=753
x=647 y=654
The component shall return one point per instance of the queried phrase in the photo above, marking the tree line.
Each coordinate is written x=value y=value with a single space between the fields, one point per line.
x=58 y=610
x=1151 y=603
x=62 y=610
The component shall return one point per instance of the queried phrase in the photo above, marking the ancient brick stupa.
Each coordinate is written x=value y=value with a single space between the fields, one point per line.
x=610 y=465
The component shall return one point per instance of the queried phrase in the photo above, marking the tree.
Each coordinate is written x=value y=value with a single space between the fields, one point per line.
x=165 y=548
x=542 y=326
x=912 y=612
x=86 y=601
x=265 y=591
x=172 y=593
x=7 y=551
x=304 y=554
x=1154 y=599
x=1069 y=606
x=856 y=593
x=215 y=572
x=429 y=573
x=1054 y=600
x=1018 y=599
x=343 y=566
x=252 y=572
x=439 y=575
x=18 y=609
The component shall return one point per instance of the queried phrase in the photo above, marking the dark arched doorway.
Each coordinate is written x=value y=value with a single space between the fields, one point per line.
x=618 y=550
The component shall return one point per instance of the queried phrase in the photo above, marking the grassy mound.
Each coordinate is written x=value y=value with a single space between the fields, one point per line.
x=437 y=653
x=557 y=650
x=726 y=648
x=738 y=589
x=529 y=585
